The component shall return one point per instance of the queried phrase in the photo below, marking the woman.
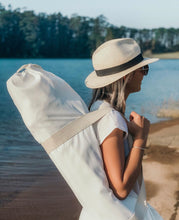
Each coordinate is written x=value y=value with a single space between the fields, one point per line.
x=119 y=71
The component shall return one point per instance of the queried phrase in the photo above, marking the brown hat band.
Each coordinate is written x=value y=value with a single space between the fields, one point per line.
x=120 y=68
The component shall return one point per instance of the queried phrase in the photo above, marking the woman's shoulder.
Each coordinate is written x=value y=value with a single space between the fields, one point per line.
x=113 y=119
x=99 y=104
x=118 y=120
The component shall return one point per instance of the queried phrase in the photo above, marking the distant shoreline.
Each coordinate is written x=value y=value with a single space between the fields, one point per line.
x=148 y=54
x=172 y=55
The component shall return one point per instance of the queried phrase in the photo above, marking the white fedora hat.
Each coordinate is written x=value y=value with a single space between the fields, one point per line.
x=115 y=59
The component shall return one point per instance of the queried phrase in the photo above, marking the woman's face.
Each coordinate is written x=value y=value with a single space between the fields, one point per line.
x=135 y=81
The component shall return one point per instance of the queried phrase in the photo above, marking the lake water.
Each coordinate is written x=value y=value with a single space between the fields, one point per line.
x=22 y=159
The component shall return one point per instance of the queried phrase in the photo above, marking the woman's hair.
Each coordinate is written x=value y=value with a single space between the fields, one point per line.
x=113 y=93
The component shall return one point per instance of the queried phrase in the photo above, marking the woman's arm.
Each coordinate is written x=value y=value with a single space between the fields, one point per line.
x=122 y=174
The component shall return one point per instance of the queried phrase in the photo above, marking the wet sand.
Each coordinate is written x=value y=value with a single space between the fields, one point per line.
x=49 y=198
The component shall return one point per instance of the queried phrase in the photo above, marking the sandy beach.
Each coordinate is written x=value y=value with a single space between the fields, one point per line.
x=171 y=55
x=49 y=197
x=161 y=168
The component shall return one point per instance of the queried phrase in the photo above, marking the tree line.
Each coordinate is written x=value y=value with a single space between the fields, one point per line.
x=25 y=34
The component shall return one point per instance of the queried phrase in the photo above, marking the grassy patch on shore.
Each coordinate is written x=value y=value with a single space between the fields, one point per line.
x=173 y=55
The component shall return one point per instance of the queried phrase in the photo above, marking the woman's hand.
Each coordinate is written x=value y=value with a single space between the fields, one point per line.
x=138 y=126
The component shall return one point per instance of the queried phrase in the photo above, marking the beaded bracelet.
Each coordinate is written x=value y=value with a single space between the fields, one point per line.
x=141 y=148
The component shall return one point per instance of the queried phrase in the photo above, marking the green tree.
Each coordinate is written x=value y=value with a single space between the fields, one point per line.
x=98 y=31
x=80 y=36
x=11 y=37
x=29 y=28
x=26 y=34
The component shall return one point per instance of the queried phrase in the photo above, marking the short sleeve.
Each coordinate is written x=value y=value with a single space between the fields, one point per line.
x=108 y=123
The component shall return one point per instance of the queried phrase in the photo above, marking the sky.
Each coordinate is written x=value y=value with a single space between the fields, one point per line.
x=129 y=13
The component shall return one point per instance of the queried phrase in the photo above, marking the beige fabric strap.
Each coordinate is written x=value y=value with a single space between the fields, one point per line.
x=73 y=128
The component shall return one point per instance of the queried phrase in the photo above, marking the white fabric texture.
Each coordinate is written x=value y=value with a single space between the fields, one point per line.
x=113 y=119
x=47 y=104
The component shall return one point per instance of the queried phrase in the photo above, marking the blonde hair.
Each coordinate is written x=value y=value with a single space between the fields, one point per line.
x=113 y=93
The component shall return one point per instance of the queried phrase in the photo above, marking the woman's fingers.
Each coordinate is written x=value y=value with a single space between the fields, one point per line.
x=133 y=115
x=138 y=125
x=136 y=118
x=131 y=118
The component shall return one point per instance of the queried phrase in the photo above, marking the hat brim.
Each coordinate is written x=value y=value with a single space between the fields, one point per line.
x=94 y=81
